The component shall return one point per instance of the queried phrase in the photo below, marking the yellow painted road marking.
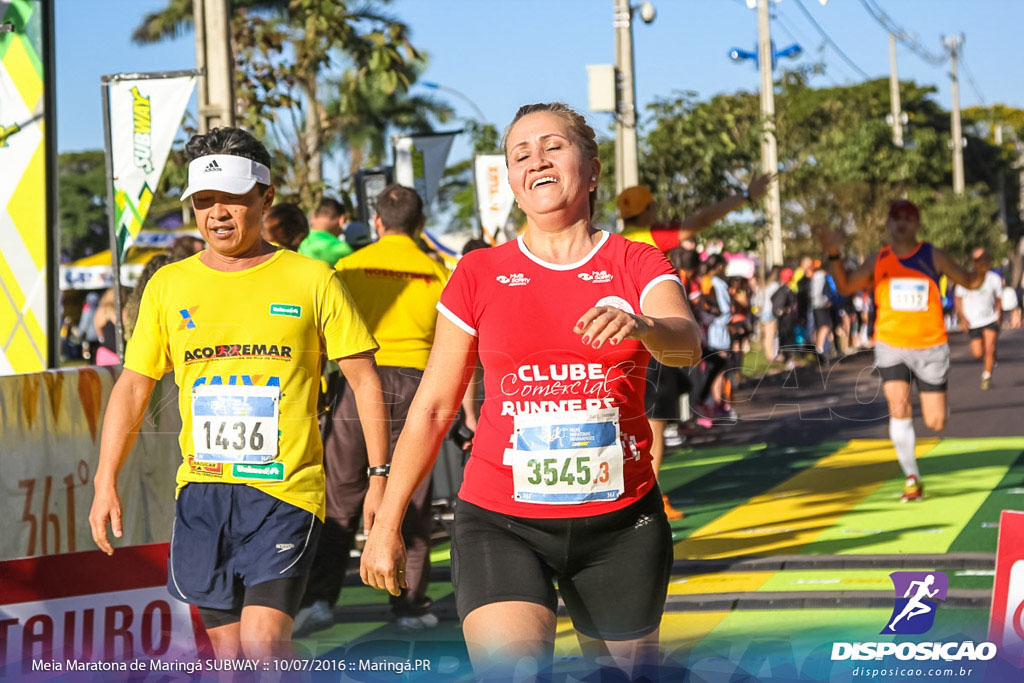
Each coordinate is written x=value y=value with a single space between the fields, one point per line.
x=797 y=511
x=719 y=582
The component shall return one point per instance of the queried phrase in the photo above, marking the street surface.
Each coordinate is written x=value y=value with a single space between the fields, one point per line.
x=793 y=525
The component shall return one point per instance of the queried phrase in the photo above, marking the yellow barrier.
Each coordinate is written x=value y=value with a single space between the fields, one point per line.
x=49 y=447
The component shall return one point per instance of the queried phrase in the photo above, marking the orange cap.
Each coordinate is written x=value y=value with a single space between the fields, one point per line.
x=633 y=200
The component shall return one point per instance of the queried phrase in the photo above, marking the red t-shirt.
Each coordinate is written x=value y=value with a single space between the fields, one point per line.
x=523 y=311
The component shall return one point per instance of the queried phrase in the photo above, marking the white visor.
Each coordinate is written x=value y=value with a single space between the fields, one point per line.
x=224 y=173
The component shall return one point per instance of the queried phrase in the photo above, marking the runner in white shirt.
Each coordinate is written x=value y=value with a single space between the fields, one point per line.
x=980 y=313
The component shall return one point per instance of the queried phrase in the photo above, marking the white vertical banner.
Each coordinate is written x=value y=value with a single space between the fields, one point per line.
x=145 y=114
x=494 y=198
x=420 y=161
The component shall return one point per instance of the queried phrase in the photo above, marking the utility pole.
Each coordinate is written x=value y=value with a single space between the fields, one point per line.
x=627 y=171
x=769 y=150
x=954 y=43
x=1001 y=180
x=215 y=89
x=894 y=94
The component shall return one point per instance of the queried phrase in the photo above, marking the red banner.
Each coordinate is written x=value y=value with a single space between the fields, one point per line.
x=61 y=612
x=1006 y=626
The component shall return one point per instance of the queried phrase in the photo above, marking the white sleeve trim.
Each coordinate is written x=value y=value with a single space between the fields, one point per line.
x=659 y=279
x=443 y=310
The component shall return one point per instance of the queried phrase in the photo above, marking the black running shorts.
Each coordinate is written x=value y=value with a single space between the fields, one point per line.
x=978 y=332
x=612 y=569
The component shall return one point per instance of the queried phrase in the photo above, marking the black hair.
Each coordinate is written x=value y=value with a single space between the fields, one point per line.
x=684 y=259
x=330 y=207
x=400 y=209
x=291 y=226
x=474 y=244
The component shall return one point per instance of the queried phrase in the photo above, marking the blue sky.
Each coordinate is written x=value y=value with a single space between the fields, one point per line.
x=504 y=53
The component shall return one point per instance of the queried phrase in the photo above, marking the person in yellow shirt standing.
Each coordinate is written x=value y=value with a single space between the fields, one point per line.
x=243 y=326
x=396 y=288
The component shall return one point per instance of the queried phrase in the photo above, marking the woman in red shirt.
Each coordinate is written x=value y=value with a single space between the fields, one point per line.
x=559 y=484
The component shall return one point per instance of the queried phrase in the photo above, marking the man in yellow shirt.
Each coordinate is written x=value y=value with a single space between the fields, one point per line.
x=243 y=326
x=396 y=288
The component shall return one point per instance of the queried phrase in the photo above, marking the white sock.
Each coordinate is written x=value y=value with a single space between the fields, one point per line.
x=901 y=431
x=985 y=374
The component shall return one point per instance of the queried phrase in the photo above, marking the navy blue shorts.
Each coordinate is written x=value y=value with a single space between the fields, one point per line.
x=228 y=538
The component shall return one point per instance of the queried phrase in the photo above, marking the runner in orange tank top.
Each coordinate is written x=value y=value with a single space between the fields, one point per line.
x=910 y=334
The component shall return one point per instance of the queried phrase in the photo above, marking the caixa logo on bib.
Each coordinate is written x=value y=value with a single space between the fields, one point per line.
x=913 y=613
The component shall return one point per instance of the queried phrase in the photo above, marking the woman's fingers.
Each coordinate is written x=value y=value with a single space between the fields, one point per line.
x=604 y=324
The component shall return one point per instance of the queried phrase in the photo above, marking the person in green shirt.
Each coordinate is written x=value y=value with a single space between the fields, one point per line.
x=323 y=241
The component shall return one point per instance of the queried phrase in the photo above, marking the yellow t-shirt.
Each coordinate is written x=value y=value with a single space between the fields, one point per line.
x=396 y=287
x=264 y=326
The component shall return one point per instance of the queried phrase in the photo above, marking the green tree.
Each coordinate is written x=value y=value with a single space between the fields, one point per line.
x=284 y=52
x=366 y=115
x=838 y=165
x=82 y=197
x=959 y=223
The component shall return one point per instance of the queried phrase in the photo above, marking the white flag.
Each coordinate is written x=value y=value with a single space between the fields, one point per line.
x=420 y=161
x=494 y=198
x=145 y=115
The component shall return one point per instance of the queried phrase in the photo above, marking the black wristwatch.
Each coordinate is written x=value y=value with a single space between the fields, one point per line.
x=378 y=471
x=835 y=257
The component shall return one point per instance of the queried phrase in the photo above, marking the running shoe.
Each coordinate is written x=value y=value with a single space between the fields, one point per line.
x=672 y=513
x=424 y=621
x=986 y=383
x=913 y=490
x=316 y=617
x=673 y=439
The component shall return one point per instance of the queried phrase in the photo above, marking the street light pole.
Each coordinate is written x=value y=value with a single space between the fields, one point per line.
x=627 y=171
x=769 y=149
x=954 y=43
x=894 y=95
x=460 y=95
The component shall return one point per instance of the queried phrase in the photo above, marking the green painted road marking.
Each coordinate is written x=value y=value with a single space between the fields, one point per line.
x=958 y=474
x=717 y=492
x=980 y=533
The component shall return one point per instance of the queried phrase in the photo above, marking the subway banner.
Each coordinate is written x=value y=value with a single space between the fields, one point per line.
x=145 y=113
x=494 y=198
x=420 y=161
x=24 y=248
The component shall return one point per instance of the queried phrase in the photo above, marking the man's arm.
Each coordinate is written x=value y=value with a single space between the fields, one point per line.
x=709 y=215
x=847 y=283
x=125 y=409
x=946 y=266
x=360 y=371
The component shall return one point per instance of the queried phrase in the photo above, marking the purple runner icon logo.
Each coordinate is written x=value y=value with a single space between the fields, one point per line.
x=917 y=594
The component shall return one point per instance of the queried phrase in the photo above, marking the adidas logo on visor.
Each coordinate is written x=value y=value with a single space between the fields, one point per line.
x=212 y=166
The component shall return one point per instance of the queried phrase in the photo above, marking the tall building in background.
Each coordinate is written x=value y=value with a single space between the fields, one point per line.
x=27 y=294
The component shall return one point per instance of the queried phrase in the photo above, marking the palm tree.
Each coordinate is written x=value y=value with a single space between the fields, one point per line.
x=285 y=50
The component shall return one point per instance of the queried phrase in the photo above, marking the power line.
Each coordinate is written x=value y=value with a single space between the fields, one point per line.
x=832 y=43
x=902 y=35
x=798 y=37
x=970 y=79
